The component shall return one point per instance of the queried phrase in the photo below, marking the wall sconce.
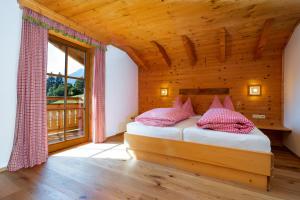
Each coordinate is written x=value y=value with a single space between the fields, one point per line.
x=254 y=90
x=164 y=92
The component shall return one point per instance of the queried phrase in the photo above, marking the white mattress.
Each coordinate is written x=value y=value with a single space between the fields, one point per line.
x=172 y=132
x=254 y=141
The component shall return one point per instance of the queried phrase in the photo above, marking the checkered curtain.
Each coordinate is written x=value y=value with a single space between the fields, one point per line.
x=30 y=146
x=98 y=97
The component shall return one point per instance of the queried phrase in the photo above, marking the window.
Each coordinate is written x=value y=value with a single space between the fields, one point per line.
x=66 y=93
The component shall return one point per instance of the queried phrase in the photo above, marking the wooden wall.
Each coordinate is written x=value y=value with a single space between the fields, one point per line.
x=238 y=71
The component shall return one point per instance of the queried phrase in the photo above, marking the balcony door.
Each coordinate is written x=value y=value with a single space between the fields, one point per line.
x=66 y=94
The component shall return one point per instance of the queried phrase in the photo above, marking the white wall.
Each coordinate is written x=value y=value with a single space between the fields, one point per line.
x=291 y=63
x=10 y=34
x=121 y=89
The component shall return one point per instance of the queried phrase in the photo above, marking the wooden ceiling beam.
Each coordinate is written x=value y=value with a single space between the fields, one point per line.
x=263 y=38
x=222 y=44
x=163 y=53
x=132 y=53
x=190 y=49
x=41 y=9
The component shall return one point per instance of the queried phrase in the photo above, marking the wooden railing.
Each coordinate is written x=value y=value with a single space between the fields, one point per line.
x=56 y=117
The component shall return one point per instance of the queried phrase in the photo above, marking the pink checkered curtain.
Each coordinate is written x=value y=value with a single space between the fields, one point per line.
x=98 y=97
x=30 y=146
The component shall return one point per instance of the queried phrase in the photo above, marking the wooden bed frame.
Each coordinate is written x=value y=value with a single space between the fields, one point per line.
x=241 y=166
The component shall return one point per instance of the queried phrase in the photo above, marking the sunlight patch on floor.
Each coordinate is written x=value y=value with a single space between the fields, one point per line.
x=104 y=150
x=117 y=153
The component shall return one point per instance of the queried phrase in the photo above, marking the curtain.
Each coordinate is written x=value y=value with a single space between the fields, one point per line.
x=98 y=90
x=30 y=146
x=98 y=97
x=30 y=142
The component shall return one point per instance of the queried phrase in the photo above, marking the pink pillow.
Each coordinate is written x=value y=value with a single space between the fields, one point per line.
x=177 y=103
x=228 y=103
x=216 y=103
x=188 y=107
x=222 y=119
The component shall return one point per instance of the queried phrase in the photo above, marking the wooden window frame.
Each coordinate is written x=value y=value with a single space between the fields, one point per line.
x=89 y=53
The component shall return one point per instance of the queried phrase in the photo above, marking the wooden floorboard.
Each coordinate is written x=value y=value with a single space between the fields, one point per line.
x=106 y=171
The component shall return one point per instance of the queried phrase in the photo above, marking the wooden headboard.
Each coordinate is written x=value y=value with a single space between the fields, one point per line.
x=204 y=91
x=202 y=97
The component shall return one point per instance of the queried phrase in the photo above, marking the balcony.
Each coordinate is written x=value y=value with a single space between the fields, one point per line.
x=65 y=121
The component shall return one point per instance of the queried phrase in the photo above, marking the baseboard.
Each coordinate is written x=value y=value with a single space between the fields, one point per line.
x=3 y=169
x=118 y=134
x=115 y=135
x=291 y=151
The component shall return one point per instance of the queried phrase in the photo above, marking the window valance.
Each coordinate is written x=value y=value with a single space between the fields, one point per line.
x=42 y=21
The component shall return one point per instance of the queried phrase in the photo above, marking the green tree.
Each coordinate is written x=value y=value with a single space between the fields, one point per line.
x=56 y=87
x=50 y=92
x=79 y=86
x=59 y=81
x=71 y=91
x=50 y=82
x=59 y=91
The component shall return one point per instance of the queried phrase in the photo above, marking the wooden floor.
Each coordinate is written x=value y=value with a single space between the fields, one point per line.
x=106 y=171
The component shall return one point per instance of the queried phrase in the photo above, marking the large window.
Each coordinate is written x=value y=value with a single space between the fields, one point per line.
x=66 y=94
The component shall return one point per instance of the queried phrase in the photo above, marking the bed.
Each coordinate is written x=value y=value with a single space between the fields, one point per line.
x=246 y=160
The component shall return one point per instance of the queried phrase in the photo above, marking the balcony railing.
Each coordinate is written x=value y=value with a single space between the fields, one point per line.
x=65 y=124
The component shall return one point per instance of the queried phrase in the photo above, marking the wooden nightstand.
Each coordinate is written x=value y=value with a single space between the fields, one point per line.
x=275 y=133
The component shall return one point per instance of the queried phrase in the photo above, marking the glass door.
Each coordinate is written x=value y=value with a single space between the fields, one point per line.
x=66 y=94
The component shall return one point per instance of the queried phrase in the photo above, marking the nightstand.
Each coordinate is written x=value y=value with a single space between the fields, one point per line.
x=275 y=133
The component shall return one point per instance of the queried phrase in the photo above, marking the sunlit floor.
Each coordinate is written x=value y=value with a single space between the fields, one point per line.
x=113 y=148
x=105 y=150
x=106 y=171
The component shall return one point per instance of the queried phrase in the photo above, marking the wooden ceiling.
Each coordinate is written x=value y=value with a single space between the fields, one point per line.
x=157 y=32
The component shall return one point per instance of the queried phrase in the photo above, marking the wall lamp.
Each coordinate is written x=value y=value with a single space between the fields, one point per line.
x=254 y=90
x=164 y=92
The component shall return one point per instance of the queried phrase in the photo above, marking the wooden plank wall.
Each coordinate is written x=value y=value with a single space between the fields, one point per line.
x=239 y=70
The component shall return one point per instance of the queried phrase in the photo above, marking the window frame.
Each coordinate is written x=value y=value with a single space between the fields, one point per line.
x=87 y=87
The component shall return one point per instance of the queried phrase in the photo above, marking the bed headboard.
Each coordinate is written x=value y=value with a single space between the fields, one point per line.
x=204 y=91
x=202 y=97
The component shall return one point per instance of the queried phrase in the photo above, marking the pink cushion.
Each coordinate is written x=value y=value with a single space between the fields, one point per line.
x=222 y=119
x=188 y=107
x=228 y=103
x=216 y=103
x=162 y=117
x=177 y=103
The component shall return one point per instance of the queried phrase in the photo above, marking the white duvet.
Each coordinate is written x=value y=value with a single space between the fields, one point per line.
x=187 y=130
x=254 y=141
